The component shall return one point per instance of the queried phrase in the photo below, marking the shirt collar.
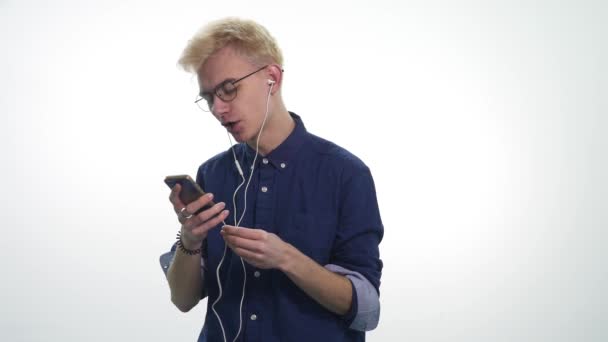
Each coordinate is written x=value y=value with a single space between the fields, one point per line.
x=283 y=154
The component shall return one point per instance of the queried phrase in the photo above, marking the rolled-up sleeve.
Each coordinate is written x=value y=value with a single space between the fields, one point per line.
x=365 y=312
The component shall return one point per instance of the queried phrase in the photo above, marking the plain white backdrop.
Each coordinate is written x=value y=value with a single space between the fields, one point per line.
x=483 y=122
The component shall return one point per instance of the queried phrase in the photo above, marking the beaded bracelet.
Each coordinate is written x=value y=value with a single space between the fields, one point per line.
x=181 y=247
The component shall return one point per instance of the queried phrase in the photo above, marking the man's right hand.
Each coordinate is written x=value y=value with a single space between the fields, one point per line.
x=195 y=227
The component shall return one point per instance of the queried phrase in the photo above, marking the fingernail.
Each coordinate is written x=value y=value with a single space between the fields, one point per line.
x=222 y=204
x=210 y=196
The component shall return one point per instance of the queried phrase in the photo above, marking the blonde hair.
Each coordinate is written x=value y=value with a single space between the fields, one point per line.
x=246 y=36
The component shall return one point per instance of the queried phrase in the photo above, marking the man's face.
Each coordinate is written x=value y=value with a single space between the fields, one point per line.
x=243 y=115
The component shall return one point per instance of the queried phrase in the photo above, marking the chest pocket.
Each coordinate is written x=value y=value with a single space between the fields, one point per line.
x=313 y=235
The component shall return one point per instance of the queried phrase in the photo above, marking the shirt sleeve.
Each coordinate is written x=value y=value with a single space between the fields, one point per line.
x=365 y=311
x=167 y=258
x=360 y=230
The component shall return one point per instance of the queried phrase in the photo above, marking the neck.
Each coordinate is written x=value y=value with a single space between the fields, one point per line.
x=277 y=128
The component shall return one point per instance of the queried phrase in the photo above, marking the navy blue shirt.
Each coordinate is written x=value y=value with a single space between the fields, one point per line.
x=314 y=195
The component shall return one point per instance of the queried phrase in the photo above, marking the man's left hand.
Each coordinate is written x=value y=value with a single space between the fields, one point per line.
x=256 y=246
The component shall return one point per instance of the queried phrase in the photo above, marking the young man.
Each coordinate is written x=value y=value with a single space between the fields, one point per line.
x=303 y=263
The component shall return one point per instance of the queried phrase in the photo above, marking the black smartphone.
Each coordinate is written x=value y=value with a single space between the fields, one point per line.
x=190 y=191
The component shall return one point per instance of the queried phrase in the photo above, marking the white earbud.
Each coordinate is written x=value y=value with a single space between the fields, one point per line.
x=270 y=82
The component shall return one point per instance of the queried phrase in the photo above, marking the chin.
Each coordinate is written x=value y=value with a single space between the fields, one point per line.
x=241 y=138
x=237 y=138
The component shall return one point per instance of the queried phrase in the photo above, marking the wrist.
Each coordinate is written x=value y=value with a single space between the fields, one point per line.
x=289 y=256
x=188 y=246
x=191 y=244
x=189 y=241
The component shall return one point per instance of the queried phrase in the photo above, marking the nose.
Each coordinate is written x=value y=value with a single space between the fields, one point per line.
x=219 y=106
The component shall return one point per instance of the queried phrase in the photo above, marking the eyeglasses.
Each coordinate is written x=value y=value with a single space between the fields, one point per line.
x=225 y=91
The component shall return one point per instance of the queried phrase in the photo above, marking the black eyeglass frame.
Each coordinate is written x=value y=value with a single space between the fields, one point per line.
x=221 y=86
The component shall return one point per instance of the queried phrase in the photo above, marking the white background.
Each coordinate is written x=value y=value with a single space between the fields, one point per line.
x=483 y=122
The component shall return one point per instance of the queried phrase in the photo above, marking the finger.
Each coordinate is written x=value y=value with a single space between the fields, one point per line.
x=247 y=233
x=249 y=256
x=201 y=202
x=211 y=212
x=208 y=225
x=206 y=215
x=174 y=198
x=239 y=242
x=183 y=215
x=186 y=214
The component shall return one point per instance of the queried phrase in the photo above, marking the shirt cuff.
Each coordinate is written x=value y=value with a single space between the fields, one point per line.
x=349 y=317
x=167 y=258
x=365 y=311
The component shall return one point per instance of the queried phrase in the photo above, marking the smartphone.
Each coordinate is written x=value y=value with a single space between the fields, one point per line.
x=190 y=191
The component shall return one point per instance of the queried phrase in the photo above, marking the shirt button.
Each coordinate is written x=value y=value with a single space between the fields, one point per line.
x=265 y=161
x=256 y=274
x=264 y=189
x=283 y=165
x=253 y=317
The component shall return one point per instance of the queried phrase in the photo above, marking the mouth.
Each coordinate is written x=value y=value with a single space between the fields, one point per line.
x=229 y=125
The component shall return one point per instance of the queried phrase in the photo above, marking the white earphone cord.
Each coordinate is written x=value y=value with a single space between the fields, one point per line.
x=238 y=223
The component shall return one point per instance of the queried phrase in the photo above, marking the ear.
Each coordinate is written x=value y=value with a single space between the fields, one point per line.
x=275 y=74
